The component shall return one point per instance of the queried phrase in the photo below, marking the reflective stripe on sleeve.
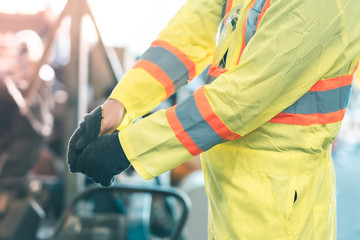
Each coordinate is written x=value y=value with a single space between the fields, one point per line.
x=196 y=126
x=180 y=133
x=211 y=118
x=169 y=64
x=158 y=74
x=188 y=63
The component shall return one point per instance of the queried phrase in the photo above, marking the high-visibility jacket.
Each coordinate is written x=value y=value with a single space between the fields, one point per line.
x=279 y=83
x=357 y=76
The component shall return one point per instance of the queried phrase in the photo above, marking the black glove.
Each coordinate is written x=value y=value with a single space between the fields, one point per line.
x=102 y=159
x=87 y=130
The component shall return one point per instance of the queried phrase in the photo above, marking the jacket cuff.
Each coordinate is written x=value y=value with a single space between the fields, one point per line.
x=141 y=170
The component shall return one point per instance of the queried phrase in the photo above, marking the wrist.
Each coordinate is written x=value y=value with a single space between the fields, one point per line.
x=113 y=113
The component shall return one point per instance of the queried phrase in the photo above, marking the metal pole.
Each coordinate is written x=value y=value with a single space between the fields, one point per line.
x=76 y=85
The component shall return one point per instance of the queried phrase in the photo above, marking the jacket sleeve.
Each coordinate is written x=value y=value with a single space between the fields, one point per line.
x=295 y=46
x=180 y=52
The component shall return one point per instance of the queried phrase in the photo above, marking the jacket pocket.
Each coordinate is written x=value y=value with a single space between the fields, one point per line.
x=284 y=194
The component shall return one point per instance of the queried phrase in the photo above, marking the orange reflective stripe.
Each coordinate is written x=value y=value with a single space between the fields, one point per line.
x=243 y=35
x=309 y=119
x=180 y=133
x=211 y=118
x=328 y=84
x=266 y=6
x=243 y=31
x=179 y=54
x=215 y=71
x=342 y=83
x=158 y=74
x=332 y=83
x=228 y=6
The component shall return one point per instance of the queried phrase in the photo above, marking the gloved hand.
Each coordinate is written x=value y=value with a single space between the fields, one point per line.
x=87 y=130
x=102 y=159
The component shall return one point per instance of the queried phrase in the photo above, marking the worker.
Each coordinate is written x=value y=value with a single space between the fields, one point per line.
x=280 y=76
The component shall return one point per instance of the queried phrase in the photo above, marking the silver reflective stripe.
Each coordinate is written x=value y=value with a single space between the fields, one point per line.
x=210 y=79
x=259 y=5
x=224 y=9
x=321 y=101
x=172 y=66
x=252 y=19
x=202 y=134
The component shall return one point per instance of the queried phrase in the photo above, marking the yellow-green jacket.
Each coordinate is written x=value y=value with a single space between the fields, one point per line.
x=279 y=83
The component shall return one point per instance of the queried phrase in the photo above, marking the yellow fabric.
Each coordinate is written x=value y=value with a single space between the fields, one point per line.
x=251 y=182
x=149 y=93
x=191 y=19
x=158 y=138
x=269 y=180
x=303 y=52
x=267 y=210
x=357 y=76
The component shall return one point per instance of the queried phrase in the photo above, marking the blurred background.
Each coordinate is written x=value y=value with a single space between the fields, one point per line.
x=59 y=59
